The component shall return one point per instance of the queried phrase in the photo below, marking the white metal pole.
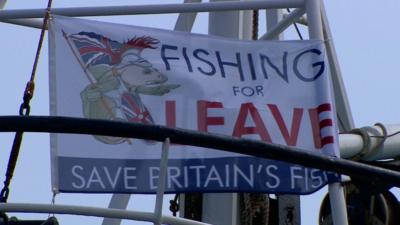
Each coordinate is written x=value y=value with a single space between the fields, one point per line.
x=371 y=143
x=336 y=192
x=153 y=9
x=222 y=208
x=161 y=182
x=93 y=211
x=118 y=201
x=273 y=17
x=342 y=104
x=287 y=204
x=34 y=23
x=185 y=21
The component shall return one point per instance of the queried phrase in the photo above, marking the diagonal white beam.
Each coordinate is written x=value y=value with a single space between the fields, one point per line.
x=345 y=118
x=93 y=211
x=118 y=201
x=186 y=20
x=283 y=24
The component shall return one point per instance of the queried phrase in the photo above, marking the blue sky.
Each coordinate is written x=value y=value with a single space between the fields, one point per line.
x=366 y=37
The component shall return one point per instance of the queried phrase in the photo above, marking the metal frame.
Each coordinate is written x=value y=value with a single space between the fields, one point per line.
x=312 y=7
x=161 y=182
x=94 y=211
x=153 y=9
x=283 y=24
x=189 y=137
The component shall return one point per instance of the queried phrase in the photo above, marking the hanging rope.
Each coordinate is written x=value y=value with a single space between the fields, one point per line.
x=254 y=35
x=174 y=205
x=254 y=209
x=24 y=110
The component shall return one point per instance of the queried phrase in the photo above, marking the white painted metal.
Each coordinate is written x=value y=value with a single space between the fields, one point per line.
x=350 y=145
x=2 y=3
x=345 y=119
x=224 y=24
x=314 y=19
x=186 y=20
x=118 y=201
x=273 y=17
x=289 y=209
x=378 y=142
x=245 y=24
x=153 y=9
x=93 y=211
x=302 y=20
x=222 y=208
x=34 y=23
x=161 y=182
x=282 y=25
x=338 y=204
x=336 y=192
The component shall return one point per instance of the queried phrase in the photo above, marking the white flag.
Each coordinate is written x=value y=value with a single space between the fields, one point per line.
x=274 y=91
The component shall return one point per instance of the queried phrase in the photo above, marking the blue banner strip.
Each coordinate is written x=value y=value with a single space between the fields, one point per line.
x=230 y=174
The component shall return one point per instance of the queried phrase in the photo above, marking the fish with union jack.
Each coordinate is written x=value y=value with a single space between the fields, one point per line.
x=118 y=76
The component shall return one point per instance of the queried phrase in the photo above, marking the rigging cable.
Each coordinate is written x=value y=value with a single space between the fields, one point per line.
x=24 y=110
x=296 y=27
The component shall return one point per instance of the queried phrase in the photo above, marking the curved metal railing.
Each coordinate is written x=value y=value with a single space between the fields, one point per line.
x=255 y=148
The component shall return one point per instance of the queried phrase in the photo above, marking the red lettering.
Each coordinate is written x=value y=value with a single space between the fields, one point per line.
x=203 y=121
x=317 y=125
x=313 y=113
x=259 y=128
x=170 y=110
x=290 y=139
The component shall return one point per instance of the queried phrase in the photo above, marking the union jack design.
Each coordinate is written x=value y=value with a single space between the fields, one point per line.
x=134 y=110
x=92 y=49
x=96 y=49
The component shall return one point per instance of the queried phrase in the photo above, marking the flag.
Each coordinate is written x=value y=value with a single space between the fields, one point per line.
x=134 y=110
x=277 y=92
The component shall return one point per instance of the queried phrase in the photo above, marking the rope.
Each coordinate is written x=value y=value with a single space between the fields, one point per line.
x=254 y=209
x=254 y=34
x=174 y=205
x=24 y=110
x=367 y=149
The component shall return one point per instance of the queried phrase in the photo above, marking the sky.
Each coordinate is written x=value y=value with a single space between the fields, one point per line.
x=365 y=34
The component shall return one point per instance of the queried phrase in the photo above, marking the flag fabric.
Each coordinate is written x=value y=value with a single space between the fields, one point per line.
x=96 y=49
x=274 y=91
x=134 y=110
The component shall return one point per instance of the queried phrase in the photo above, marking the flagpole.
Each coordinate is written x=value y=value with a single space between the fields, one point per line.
x=91 y=78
